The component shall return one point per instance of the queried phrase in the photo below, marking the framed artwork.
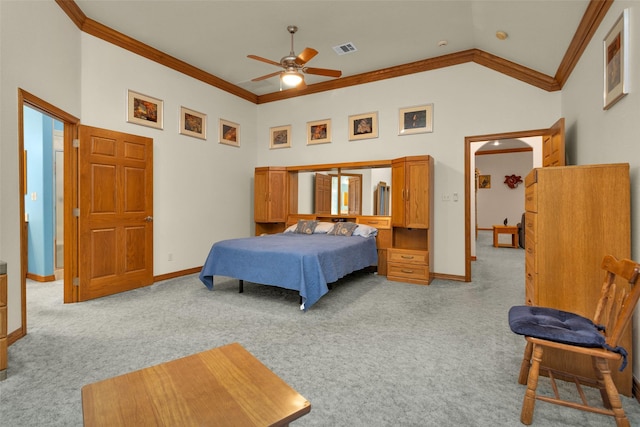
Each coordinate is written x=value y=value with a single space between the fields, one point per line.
x=193 y=123
x=280 y=137
x=319 y=132
x=415 y=120
x=616 y=52
x=363 y=126
x=229 y=133
x=484 y=181
x=144 y=110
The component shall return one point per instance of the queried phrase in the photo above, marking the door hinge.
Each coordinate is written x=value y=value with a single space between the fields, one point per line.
x=76 y=143
x=76 y=212
x=75 y=281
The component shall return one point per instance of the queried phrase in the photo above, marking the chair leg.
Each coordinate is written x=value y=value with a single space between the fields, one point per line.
x=528 y=405
x=602 y=367
x=601 y=385
x=526 y=363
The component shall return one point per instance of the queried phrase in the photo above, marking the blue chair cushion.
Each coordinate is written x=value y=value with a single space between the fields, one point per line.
x=559 y=326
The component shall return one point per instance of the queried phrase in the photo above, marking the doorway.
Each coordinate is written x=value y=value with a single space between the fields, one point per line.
x=67 y=133
x=44 y=195
x=472 y=145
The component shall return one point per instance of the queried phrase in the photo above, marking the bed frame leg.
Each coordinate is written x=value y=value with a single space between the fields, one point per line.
x=240 y=286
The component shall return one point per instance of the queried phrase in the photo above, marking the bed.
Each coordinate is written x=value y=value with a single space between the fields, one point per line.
x=299 y=259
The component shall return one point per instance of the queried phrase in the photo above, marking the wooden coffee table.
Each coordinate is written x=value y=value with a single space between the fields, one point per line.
x=222 y=386
x=505 y=229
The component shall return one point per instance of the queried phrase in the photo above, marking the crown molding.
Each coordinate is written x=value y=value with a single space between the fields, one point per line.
x=595 y=13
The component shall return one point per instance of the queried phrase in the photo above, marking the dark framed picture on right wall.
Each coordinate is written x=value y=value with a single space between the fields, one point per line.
x=615 y=54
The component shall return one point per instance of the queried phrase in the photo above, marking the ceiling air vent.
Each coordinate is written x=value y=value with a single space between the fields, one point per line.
x=345 y=48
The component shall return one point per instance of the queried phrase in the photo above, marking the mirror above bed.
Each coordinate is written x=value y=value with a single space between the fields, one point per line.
x=345 y=191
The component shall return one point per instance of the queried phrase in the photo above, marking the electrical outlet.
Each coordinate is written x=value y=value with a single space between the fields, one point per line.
x=170 y=257
x=446 y=197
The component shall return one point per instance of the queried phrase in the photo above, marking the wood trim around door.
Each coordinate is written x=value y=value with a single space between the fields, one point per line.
x=70 y=124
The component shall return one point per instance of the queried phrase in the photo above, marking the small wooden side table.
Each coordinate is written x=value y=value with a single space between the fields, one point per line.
x=505 y=229
x=222 y=386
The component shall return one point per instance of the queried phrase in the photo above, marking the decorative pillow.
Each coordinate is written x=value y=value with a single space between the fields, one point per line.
x=291 y=228
x=365 y=231
x=343 y=229
x=323 y=227
x=306 y=226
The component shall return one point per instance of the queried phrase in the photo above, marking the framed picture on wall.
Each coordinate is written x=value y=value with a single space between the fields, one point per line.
x=484 y=181
x=615 y=54
x=415 y=120
x=229 y=133
x=363 y=126
x=144 y=110
x=280 y=137
x=319 y=132
x=193 y=123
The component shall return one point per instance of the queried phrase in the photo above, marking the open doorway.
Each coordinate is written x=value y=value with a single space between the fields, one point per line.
x=63 y=136
x=44 y=195
x=552 y=153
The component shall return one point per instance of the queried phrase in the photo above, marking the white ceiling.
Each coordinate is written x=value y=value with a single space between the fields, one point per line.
x=217 y=36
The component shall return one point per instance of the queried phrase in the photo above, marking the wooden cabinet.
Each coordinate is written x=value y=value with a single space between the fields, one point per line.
x=411 y=190
x=575 y=215
x=383 y=239
x=411 y=256
x=270 y=199
x=407 y=265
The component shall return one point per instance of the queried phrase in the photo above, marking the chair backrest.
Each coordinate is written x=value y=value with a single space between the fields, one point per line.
x=617 y=300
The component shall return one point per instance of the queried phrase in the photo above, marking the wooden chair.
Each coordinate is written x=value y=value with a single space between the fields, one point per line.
x=550 y=328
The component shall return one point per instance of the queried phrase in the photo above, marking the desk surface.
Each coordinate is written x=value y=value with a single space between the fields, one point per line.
x=222 y=386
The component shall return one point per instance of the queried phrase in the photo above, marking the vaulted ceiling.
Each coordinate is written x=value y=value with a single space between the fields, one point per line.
x=210 y=40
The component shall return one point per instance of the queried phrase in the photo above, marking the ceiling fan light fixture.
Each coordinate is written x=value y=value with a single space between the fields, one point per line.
x=291 y=78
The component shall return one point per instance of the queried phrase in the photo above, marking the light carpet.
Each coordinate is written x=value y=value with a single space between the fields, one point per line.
x=370 y=353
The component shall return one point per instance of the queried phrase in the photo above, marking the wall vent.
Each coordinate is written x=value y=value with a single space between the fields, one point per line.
x=345 y=48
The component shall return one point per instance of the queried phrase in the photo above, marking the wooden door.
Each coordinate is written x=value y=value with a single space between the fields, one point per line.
x=323 y=194
x=397 y=193
x=115 y=221
x=553 y=153
x=270 y=196
x=355 y=195
x=416 y=195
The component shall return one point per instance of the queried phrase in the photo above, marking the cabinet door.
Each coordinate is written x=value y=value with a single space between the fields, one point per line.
x=417 y=195
x=270 y=196
x=260 y=194
x=397 y=193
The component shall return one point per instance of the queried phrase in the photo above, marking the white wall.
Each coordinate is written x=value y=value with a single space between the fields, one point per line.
x=500 y=202
x=203 y=190
x=40 y=53
x=468 y=100
x=595 y=135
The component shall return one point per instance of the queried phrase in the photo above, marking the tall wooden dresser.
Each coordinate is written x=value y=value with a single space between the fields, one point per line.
x=575 y=215
x=410 y=258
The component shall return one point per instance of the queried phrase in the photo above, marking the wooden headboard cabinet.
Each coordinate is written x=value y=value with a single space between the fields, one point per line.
x=405 y=237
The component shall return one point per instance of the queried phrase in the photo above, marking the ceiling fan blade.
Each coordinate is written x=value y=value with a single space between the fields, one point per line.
x=305 y=56
x=257 y=79
x=322 y=72
x=268 y=61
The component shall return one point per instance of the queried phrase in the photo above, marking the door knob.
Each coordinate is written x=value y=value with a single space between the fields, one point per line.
x=149 y=219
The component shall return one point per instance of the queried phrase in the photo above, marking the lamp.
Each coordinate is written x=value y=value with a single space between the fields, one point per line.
x=291 y=78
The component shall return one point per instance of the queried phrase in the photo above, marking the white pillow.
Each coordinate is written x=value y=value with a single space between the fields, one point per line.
x=291 y=228
x=365 y=231
x=323 y=227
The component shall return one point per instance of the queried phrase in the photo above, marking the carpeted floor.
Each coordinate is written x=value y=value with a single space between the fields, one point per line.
x=369 y=353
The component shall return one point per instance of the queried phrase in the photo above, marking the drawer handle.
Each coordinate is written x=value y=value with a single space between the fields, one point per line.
x=407 y=271
x=406 y=256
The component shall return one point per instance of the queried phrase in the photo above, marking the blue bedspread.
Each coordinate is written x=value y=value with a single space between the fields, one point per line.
x=301 y=262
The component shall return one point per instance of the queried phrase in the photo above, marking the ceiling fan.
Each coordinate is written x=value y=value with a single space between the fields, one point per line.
x=294 y=66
